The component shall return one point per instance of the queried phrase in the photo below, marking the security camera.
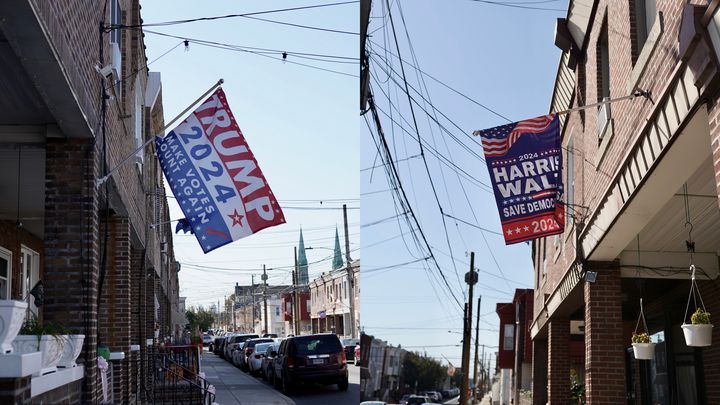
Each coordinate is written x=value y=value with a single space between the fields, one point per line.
x=106 y=71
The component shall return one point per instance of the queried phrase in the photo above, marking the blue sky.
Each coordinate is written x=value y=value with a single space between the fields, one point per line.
x=502 y=57
x=301 y=124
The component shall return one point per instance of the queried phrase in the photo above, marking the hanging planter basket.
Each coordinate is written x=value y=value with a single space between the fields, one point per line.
x=643 y=348
x=644 y=351
x=698 y=333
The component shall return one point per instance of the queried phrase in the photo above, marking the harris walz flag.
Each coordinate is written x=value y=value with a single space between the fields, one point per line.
x=215 y=178
x=525 y=164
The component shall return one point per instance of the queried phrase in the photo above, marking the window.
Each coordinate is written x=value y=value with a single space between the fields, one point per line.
x=115 y=19
x=30 y=265
x=603 y=62
x=645 y=13
x=138 y=117
x=5 y=274
x=277 y=311
x=509 y=337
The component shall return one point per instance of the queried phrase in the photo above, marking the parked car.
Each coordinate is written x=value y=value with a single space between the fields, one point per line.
x=270 y=335
x=415 y=400
x=268 y=373
x=357 y=354
x=218 y=345
x=255 y=359
x=244 y=352
x=317 y=358
x=434 y=396
x=207 y=340
x=349 y=347
x=451 y=392
x=373 y=403
x=234 y=341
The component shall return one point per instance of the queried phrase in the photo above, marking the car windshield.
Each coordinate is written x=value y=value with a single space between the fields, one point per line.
x=262 y=347
x=318 y=344
x=350 y=342
x=252 y=343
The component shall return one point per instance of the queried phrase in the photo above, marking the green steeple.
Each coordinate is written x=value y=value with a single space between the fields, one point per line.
x=337 y=259
x=302 y=262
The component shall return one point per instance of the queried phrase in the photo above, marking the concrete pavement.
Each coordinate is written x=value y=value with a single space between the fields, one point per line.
x=233 y=387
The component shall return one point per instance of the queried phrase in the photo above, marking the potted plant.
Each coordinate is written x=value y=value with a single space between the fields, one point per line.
x=643 y=348
x=72 y=347
x=35 y=336
x=12 y=314
x=699 y=332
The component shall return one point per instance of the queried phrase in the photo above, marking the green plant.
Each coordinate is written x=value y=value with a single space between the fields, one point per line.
x=640 y=338
x=700 y=317
x=32 y=326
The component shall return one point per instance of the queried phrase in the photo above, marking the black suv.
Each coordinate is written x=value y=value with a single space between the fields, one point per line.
x=311 y=359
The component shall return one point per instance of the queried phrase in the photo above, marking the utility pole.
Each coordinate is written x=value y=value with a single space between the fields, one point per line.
x=475 y=364
x=252 y=293
x=470 y=279
x=265 y=313
x=296 y=310
x=350 y=278
x=225 y=310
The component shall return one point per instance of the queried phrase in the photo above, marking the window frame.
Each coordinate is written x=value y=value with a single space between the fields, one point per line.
x=508 y=327
x=7 y=255
x=34 y=271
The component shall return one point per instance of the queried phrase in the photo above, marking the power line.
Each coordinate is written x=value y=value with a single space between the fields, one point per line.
x=221 y=17
x=263 y=54
x=303 y=26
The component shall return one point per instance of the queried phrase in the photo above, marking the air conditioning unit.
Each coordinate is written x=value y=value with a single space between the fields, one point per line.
x=604 y=118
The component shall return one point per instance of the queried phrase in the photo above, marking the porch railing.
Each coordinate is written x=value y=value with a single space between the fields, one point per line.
x=175 y=378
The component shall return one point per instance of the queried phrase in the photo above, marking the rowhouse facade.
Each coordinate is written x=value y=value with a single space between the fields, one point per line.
x=641 y=179
x=103 y=253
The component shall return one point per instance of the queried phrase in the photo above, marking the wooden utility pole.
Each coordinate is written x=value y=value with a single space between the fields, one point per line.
x=252 y=296
x=350 y=278
x=265 y=311
x=470 y=279
x=475 y=364
x=296 y=310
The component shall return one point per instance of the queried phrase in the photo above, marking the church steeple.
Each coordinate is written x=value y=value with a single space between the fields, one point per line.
x=337 y=257
x=302 y=262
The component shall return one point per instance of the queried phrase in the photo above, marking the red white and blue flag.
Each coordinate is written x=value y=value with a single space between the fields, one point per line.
x=215 y=178
x=525 y=164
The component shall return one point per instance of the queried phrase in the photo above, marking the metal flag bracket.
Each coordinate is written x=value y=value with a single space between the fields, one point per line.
x=638 y=93
x=101 y=180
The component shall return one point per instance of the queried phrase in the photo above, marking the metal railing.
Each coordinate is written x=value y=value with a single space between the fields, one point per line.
x=175 y=378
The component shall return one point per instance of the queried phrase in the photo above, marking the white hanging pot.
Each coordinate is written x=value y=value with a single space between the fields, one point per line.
x=12 y=315
x=644 y=351
x=698 y=335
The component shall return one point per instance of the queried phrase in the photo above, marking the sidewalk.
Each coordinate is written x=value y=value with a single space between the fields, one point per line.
x=234 y=387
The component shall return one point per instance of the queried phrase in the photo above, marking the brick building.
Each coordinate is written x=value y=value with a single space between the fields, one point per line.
x=104 y=254
x=635 y=173
x=330 y=301
x=514 y=358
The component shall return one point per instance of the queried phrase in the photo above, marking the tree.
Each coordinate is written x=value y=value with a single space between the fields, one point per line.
x=200 y=319
x=422 y=373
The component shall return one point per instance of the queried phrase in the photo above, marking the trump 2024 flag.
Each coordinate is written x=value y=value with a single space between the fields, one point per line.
x=525 y=164
x=215 y=178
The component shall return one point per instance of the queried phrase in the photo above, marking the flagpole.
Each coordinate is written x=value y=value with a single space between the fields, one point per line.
x=644 y=93
x=99 y=181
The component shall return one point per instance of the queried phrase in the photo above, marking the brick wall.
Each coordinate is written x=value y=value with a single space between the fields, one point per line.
x=540 y=371
x=115 y=304
x=558 y=361
x=71 y=246
x=15 y=391
x=604 y=347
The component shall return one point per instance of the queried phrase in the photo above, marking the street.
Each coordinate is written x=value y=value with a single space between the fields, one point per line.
x=235 y=387
x=318 y=394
